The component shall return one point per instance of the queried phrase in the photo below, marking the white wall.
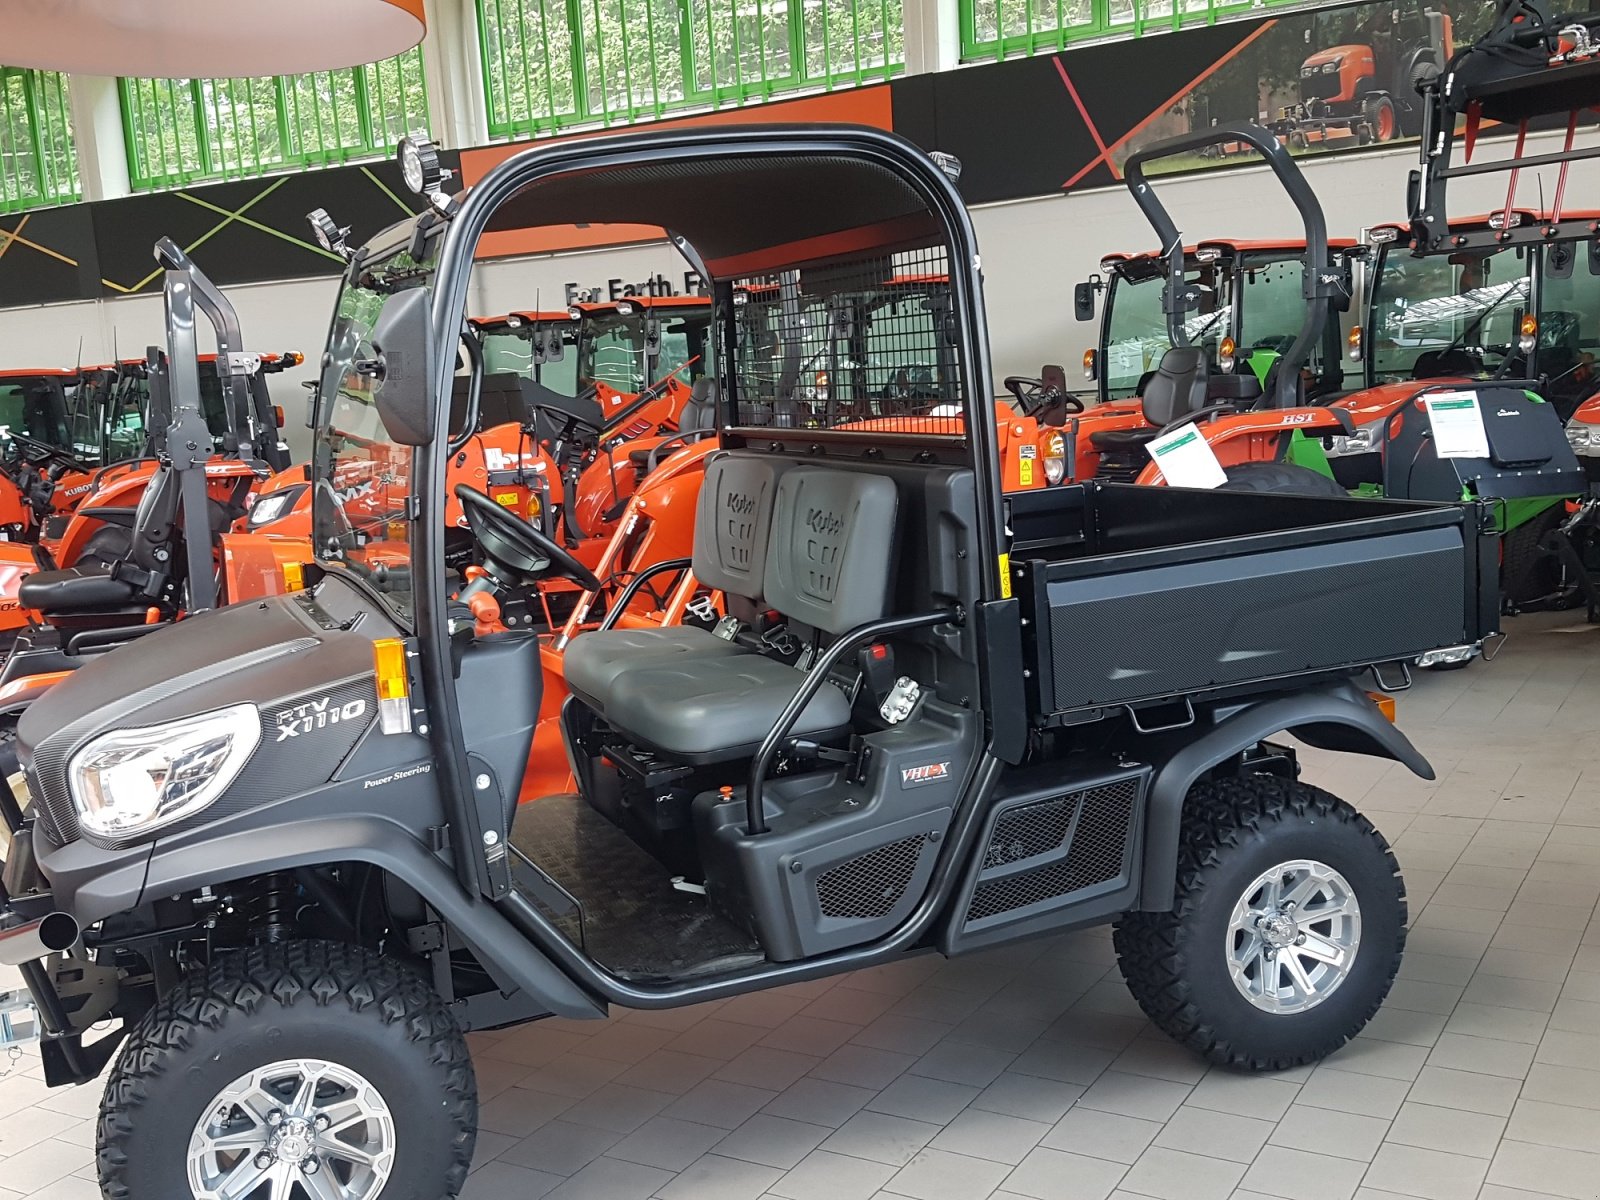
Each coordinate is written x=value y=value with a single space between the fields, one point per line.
x=1033 y=253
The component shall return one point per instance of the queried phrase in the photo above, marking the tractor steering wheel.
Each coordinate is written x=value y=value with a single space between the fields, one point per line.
x=43 y=452
x=515 y=546
x=1032 y=395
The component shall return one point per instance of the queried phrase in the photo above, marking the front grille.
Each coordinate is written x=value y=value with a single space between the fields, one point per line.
x=1099 y=824
x=870 y=885
x=1318 y=86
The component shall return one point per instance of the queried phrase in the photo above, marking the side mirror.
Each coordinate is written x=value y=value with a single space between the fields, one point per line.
x=1083 y=301
x=402 y=372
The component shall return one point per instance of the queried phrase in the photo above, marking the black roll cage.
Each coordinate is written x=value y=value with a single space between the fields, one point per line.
x=479 y=873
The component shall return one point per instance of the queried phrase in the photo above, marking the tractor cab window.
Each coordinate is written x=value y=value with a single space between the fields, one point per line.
x=213 y=403
x=904 y=360
x=360 y=476
x=35 y=406
x=1271 y=310
x=516 y=351
x=125 y=434
x=1569 y=324
x=613 y=353
x=1447 y=315
x=1136 y=330
x=683 y=344
x=85 y=404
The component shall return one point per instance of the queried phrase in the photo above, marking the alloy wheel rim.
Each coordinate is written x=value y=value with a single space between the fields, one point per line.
x=1293 y=936
x=298 y=1129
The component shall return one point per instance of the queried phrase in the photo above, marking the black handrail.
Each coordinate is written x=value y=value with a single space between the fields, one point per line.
x=620 y=604
x=755 y=815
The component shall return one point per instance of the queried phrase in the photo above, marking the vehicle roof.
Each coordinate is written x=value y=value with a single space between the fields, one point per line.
x=1241 y=246
x=748 y=201
x=563 y=315
x=1480 y=221
x=36 y=372
x=599 y=306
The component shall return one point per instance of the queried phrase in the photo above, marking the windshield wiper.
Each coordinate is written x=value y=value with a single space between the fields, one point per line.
x=1477 y=324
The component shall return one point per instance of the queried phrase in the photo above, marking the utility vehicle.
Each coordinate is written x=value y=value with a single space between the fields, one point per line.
x=278 y=846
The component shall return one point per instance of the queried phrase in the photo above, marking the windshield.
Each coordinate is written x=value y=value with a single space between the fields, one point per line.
x=614 y=349
x=1136 y=328
x=513 y=350
x=1442 y=315
x=1569 y=324
x=360 y=476
x=35 y=406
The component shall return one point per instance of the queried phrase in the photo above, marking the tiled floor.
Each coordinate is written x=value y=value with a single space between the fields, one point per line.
x=1028 y=1073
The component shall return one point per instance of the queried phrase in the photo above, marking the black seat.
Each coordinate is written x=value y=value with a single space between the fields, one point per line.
x=698 y=418
x=123 y=587
x=1176 y=388
x=828 y=566
x=732 y=523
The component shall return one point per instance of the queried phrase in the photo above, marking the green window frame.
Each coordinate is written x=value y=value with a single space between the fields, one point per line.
x=553 y=64
x=182 y=131
x=997 y=29
x=38 y=155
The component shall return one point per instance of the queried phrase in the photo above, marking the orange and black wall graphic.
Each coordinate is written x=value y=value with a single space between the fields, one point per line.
x=1331 y=80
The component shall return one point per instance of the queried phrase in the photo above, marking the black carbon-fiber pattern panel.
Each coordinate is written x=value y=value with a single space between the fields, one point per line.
x=870 y=885
x=1098 y=849
x=1166 y=630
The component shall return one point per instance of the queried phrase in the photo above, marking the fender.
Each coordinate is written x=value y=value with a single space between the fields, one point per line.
x=23 y=691
x=1338 y=717
x=504 y=952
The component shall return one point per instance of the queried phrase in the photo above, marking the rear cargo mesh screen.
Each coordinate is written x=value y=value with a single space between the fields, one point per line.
x=865 y=345
x=1092 y=826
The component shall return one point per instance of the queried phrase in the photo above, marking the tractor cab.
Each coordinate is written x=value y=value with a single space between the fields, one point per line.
x=541 y=346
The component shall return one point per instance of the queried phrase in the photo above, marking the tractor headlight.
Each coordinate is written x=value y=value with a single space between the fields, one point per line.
x=270 y=507
x=1363 y=441
x=1584 y=439
x=1332 y=66
x=135 y=781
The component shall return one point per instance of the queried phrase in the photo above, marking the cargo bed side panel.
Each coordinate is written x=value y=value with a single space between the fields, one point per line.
x=1162 y=629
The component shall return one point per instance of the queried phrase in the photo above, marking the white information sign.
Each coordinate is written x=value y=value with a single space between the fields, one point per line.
x=1186 y=459
x=1457 y=422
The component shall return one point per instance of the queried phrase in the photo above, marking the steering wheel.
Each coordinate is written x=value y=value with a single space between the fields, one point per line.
x=42 y=452
x=515 y=546
x=1034 y=394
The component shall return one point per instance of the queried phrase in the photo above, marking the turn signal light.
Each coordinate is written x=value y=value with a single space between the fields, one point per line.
x=1385 y=705
x=1090 y=364
x=1354 y=341
x=1225 y=354
x=1529 y=334
x=394 y=685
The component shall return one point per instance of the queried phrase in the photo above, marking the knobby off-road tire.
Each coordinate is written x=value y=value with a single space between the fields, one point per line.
x=1283 y=479
x=1178 y=964
x=350 y=1013
x=1529 y=571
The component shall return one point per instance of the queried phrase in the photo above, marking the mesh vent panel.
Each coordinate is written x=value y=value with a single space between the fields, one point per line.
x=1095 y=856
x=870 y=885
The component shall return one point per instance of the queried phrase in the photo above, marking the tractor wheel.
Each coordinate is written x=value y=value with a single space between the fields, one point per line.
x=1529 y=571
x=1381 y=118
x=297 y=1069
x=1285 y=479
x=1286 y=930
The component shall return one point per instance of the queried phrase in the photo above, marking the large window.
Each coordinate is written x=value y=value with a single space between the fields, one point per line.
x=998 y=28
x=183 y=130
x=38 y=162
x=549 y=64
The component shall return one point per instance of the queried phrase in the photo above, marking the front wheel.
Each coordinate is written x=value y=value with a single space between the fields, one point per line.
x=294 y=1071
x=1283 y=479
x=1286 y=931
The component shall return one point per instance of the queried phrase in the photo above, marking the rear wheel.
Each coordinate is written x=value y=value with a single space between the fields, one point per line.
x=294 y=1071
x=1283 y=478
x=1286 y=931
x=1529 y=571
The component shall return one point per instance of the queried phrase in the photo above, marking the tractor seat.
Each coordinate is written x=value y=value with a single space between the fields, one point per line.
x=698 y=419
x=74 y=590
x=1178 y=386
x=828 y=564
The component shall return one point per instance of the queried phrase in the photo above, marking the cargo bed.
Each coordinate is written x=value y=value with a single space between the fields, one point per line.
x=1137 y=596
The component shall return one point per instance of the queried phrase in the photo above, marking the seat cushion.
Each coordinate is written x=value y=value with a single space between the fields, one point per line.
x=75 y=589
x=593 y=661
x=709 y=709
x=1123 y=439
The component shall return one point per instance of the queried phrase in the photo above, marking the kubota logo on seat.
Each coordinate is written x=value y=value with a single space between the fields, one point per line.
x=820 y=520
x=316 y=714
x=738 y=504
x=928 y=773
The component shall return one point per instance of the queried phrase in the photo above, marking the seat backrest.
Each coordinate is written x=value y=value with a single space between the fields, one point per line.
x=700 y=410
x=734 y=521
x=1178 y=386
x=155 y=521
x=830 y=558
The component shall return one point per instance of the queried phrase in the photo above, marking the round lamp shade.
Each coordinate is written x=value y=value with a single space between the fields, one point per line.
x=206 y=39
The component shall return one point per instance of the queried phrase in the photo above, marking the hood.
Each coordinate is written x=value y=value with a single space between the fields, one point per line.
x=1378 y=403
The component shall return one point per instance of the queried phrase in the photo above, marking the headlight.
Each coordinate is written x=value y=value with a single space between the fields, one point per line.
x=1583 y=438
x=1363 y=441
x=1055 y=459
x=1330 y=68
x=270 y=507
x=131 y=782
